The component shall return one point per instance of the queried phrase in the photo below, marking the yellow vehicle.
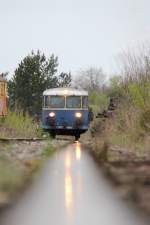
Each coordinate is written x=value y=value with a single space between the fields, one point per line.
x=3 y=96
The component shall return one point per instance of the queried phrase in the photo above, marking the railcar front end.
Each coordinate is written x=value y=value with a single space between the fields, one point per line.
x=65 y=112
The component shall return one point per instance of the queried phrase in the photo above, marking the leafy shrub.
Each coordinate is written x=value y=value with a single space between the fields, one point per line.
x=98 y=101
x=137 y=94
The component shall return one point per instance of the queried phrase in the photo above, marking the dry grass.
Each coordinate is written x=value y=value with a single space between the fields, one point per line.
x=124 y=130
x=18 y=125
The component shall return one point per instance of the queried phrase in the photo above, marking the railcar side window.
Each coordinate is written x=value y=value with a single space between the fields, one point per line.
x=57 y=102
x=73 y=102
x=46 y=101
x=85 y=102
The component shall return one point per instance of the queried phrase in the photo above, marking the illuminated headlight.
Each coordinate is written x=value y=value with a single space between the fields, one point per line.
x=51 y=114
x=78 y=115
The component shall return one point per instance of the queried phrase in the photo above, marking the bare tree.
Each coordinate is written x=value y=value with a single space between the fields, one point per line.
x=135 y=64
x=90 y=79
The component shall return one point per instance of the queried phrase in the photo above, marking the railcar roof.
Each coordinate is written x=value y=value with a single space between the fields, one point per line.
x=65 y=91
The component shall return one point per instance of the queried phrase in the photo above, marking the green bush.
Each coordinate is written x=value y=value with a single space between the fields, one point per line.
x=115 y=89
x=98 y=101
x=137 y=94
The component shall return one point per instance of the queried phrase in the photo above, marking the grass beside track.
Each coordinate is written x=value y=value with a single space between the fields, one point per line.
x=17 y=125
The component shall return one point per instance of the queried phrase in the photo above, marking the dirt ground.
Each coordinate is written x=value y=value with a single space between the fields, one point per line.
x=131 y=181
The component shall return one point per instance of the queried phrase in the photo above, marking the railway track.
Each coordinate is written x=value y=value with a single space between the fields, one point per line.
x=63 y=138
x=71 y=190
x=21 y=139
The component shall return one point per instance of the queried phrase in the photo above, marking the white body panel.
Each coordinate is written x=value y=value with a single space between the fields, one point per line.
x=65 y=92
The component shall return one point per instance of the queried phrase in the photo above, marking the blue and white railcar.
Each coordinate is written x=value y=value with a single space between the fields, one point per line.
x=65 y=111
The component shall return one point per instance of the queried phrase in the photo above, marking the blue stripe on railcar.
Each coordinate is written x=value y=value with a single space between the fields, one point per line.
x=65 y=118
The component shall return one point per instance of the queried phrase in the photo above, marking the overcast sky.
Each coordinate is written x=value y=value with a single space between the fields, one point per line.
x=81 y=33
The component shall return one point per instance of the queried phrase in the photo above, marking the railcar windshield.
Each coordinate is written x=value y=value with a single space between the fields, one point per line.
x=73 y=102
x=57 y=102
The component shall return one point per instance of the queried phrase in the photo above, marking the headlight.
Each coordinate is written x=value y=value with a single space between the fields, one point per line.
x=51 y=114
x=78 y=115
